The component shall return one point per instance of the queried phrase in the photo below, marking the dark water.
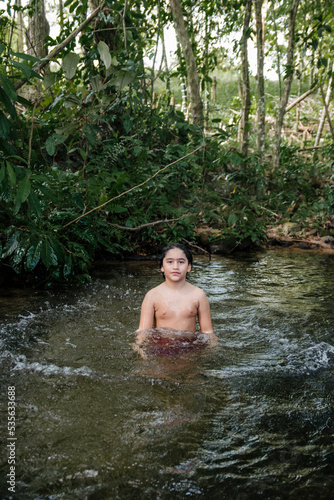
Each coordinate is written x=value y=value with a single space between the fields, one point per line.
x=251 y=419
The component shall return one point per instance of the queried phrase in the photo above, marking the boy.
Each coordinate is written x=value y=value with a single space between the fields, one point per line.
x=175 y=304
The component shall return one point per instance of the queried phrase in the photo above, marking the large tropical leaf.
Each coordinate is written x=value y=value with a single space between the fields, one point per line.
x=70 y=64
x=104 y=52
x=33 y=256
x=48 y=255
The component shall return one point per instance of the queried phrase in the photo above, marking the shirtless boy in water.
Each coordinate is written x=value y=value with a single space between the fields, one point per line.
x=175 y=304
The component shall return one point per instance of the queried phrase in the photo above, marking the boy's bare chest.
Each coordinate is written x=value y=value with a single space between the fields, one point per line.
x=180 y=307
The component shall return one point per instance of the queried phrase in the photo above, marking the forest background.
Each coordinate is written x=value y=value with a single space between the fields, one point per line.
x=107 y=149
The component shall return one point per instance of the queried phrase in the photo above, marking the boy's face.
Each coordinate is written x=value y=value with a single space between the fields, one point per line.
x=175 y=265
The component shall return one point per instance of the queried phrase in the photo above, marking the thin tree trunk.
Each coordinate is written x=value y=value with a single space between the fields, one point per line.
x=323 y=114
x=245 y=84
x=326 y=105
x=300 y=64
x=287 y=84
x=155 y=56
x=277 y=53
x=192 y=73
x=261 y=111
x=61 y=13
x=206 y=83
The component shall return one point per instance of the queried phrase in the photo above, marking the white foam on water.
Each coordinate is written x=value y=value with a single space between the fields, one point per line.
x=21 y=363
x=313 y=358
x=291 y=359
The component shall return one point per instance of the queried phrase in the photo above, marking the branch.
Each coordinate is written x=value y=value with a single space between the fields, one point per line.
x=270 y=211
x=312 y=147
x=62 y=45
x=198 y=248
x=133 y=188
x=300 y=98
x=149 y=224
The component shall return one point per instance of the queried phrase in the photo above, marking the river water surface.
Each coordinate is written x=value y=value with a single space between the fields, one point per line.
x=250 y=419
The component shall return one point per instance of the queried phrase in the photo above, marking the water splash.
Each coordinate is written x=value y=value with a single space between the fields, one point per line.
x=20 y=363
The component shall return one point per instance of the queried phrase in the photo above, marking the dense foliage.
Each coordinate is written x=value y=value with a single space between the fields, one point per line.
x=94 y=163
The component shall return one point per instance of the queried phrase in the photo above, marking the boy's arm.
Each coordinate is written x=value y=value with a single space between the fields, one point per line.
x=147 y=313
x=204 y=318
x=145 y=323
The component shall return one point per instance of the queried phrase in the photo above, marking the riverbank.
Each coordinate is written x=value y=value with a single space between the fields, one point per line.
x=208 y=241
x=281 y=236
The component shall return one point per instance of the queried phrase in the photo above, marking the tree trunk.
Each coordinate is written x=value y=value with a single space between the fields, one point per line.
x=300 y=64
x=245 y=84
x=287 y=84
x=324 y=112
x=61 y=13
x=18 y=84
x=192 y=73
x=278 y=57
x=37 y=32
x=20 y=27
x=261 y=112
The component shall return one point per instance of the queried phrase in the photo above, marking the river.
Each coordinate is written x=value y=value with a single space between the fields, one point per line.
x=250 y=419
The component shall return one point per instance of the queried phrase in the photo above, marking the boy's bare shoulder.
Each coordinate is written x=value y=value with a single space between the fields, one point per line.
x=196 y=289
x=155 y=291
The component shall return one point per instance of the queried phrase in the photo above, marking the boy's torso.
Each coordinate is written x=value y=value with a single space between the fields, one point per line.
x=177 y=310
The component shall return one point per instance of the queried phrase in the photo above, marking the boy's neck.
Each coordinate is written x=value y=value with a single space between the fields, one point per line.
x=175 y=284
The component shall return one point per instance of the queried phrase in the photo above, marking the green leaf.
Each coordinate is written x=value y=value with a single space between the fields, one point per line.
x=2 y=171
x=128 y=123
x=6 y=191
x=25 y=102
x=4 y=126
x=23 y=190
x=52 y=142
x=20 y=252
x=48 y=256
x=232 y=219
x=8 y=104
x=96 y=83
x=70 y=63
x=11 y=245
x=11 y=173
x=67 y=130
x=58 y=248
x=33 y=256
x=72 y=100
x=123 y=78
x=90 y=132
x=50 y=79
x=8 y=87
x=23 y=68
x=104 y=52
x=34 y=204
x=27 y=57
x=67 y=270
x=73 y=6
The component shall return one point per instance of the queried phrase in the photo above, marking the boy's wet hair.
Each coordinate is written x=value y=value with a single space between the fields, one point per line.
x=184 y=249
